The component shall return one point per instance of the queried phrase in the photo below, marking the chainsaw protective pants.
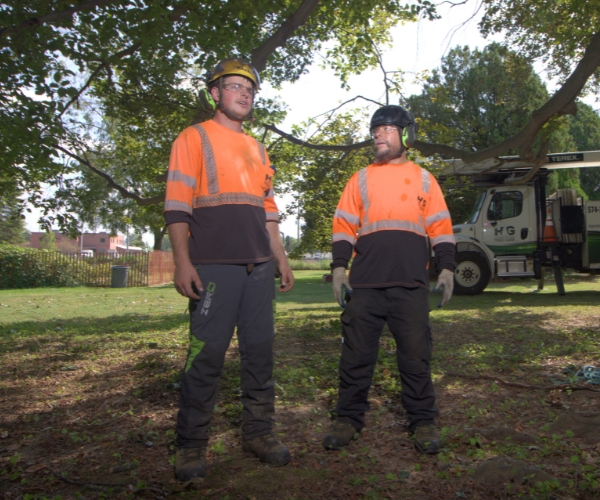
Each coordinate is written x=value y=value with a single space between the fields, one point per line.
x=406 y=311
x=233 y=296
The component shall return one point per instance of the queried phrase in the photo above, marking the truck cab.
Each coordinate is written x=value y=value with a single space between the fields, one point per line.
x=499 y=238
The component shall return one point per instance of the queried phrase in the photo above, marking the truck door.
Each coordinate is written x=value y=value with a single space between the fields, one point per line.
x=509 y=220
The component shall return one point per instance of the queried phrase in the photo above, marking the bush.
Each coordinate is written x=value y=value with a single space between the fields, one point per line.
x=28 y=268
x=309 y=265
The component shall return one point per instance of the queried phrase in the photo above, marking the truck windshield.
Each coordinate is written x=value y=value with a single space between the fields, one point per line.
x=476 y=209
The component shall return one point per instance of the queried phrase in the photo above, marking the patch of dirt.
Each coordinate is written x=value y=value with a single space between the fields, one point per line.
x=505 y=434
x=501 y=470
x=581 y=425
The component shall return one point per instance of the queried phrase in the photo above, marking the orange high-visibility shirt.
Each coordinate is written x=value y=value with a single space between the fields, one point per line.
x=385 y=215
x=220 y=183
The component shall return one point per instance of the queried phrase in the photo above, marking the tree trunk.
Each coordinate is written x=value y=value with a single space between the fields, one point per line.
x=158 y=237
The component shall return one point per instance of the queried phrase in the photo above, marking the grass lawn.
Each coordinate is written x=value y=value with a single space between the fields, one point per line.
x=89 y=390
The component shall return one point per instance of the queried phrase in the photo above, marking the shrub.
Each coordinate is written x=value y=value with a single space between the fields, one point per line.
x=309 y=265
x=28 y=268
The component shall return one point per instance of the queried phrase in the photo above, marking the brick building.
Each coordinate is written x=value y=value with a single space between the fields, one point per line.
x=97 y=242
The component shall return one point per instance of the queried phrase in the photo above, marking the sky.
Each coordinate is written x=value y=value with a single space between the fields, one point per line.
x=416 y=47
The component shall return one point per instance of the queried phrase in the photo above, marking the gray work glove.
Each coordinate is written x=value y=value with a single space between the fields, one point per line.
x=446 y=280
x=340 y=278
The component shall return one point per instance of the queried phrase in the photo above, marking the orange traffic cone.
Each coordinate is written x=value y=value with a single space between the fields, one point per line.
x=549 y=231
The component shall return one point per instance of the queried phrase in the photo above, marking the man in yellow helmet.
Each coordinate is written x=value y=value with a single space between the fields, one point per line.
x=223 y=224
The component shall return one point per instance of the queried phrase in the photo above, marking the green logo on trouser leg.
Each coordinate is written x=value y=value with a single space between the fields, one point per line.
x=196 y=345
x=210 y=292
x=195 y=349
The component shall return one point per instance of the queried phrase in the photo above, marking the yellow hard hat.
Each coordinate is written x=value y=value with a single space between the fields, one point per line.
x=233 y=66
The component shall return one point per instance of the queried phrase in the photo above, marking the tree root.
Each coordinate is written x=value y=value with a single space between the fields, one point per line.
x=563 y=387
x=105 y=487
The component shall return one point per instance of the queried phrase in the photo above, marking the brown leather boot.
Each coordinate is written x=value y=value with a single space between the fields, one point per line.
x=427 y=439
x=340 y=435
x=268 y=449
x=190 y=463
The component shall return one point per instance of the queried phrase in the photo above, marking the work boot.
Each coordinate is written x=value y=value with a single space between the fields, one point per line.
x=340 y=435
x=427 y=439
x=268 y=449
x=190 y=463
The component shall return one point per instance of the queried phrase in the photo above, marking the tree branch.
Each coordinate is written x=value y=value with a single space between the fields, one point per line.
x=540 y=161
x=105 y=64
x=142 y=202
x=319 y=147
x=36 y=21
x=260 y=55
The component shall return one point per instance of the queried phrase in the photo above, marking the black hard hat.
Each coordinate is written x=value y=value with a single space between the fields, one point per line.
x=398 y=116
x=392 y=115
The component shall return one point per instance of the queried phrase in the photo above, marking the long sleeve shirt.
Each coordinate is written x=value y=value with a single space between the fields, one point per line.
x=384 y=218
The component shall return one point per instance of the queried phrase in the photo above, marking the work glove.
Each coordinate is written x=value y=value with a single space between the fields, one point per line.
x=341 y=284
x=445 y=280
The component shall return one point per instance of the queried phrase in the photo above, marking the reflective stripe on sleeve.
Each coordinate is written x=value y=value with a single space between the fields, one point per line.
x=343 y=237
x=348 y=217
x=443 y=214
x=261 y=150
x=214 y=200
x=210 y=164
x=444 y=238
x=177 y=176
x=382 y=225
x=426 y=181
x=177 y=205
x=272 y=215
x=364 y=192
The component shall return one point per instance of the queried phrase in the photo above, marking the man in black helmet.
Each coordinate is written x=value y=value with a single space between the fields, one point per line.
x=383 y=219
x=223 y=224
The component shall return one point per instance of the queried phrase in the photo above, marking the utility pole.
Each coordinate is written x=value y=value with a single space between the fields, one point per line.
x=81 y=241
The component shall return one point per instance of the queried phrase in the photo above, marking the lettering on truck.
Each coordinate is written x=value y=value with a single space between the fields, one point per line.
x=498 y=233
x=563 y=158
x=210 y=291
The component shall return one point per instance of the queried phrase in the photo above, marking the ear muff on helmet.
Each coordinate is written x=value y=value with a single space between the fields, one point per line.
x=207 y=103
x=408 y=136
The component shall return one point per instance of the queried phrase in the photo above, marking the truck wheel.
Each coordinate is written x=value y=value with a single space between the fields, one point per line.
x=472 y=273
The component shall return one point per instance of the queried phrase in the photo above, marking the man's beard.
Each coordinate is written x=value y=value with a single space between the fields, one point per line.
x=384 y=156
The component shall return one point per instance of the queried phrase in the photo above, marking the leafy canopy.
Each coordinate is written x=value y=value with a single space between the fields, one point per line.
x=557 y=32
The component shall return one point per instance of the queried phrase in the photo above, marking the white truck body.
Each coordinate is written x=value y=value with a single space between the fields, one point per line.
x=515 y=230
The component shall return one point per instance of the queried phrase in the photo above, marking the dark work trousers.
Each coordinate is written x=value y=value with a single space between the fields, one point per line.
x=406 y=311
x=233 y=296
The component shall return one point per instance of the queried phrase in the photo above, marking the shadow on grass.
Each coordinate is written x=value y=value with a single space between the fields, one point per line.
x=491 y=299
x=30 y=336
